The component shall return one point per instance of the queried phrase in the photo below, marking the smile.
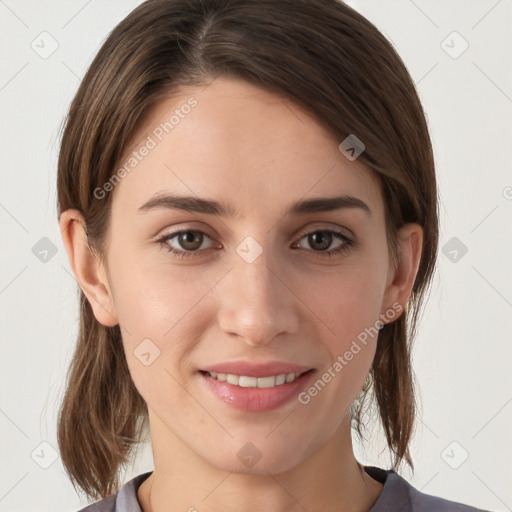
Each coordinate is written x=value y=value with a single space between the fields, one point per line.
x=267 y=390
x=245 y=381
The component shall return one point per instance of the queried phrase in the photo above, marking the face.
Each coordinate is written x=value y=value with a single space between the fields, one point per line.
x=211 y=301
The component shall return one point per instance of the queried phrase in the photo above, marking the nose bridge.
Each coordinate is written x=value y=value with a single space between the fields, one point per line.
x=255 y=304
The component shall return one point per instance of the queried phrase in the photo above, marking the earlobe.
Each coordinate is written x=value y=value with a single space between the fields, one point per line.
x=86 y=266
x=401 y=279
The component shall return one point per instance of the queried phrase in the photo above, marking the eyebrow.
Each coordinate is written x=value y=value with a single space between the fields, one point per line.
x=212 y=207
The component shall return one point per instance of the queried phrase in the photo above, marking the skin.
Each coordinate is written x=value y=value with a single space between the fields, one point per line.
x=260 y=153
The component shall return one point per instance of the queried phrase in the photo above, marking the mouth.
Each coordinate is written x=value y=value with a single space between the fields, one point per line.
x=262 y=390
x=246 y=381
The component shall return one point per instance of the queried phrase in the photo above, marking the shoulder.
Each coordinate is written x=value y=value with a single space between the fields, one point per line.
x=125 y=500
x=398 y=495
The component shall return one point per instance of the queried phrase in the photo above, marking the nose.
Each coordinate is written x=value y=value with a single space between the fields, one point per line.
x=257 y=302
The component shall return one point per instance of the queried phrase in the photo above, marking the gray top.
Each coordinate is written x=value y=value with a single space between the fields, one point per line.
x=397 y=495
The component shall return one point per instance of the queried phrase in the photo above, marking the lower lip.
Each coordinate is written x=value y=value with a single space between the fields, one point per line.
x=255 y=399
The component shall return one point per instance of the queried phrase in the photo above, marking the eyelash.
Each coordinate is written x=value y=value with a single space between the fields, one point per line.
x=347 y=245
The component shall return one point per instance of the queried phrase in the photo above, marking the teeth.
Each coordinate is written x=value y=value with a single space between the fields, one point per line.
x=255 y=382
x=232 y=379
x=266 y=382
x=280 y=379
x=248 y=382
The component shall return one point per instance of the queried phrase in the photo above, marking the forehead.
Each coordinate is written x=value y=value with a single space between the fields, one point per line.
x=234 y=141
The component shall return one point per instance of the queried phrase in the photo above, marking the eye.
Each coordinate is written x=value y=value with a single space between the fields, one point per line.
x=186 y=243
x=322 y=239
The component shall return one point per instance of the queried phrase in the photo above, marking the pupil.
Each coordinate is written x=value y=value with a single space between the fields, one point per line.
x=318 y=236
x=190 y=237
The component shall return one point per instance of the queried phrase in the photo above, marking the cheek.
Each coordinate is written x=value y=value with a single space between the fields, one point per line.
x=151 y=299
x=160 y=317
x=349 y=304
x=349 y=301
x=351 y=313
x=162 y=311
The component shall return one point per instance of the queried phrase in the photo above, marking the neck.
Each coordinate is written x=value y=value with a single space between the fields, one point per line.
x=330 y=479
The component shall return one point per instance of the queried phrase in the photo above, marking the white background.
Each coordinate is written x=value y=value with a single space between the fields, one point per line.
x=462 y=355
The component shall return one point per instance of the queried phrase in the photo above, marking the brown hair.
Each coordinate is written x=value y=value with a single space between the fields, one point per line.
x=322 y=55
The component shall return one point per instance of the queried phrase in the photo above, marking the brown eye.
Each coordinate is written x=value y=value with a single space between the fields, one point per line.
x=190 y=240
x=185 y=243
x=321 y=243
x=320 y=240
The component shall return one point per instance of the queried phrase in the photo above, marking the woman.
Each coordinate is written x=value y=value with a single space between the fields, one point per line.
x=247 y=196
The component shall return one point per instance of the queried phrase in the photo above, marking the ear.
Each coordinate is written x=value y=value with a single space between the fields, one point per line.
x=87 y=267
x=401 y=279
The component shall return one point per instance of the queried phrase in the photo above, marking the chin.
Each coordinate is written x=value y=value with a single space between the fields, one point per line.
x=248 y=459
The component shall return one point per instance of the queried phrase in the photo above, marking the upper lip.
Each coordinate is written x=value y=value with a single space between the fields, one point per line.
x=256 y=369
